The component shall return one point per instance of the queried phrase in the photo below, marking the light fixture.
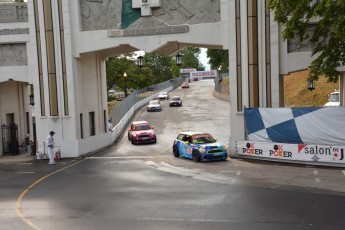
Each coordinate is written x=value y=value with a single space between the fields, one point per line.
x=311 y=85
x=125 y=76
x=31 y=96
x=178 y=56
x=140 y=61
x=178 y=59
x=32 y=99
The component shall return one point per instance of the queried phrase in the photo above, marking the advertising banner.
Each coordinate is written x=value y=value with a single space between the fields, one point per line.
x=197 y=75
x=297 y=152
x=187 y=70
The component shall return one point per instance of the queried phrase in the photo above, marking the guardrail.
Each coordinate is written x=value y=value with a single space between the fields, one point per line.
x=123 y=112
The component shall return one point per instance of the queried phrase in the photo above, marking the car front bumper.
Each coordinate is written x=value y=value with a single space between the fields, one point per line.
x=145 y=139
x=214 y=156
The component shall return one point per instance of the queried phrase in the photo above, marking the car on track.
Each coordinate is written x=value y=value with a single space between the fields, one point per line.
x=185 y=85
x=175 y=101
x=198 y=146
x=163 y=96
x=154 y=105
x=141 y=132
x=150 y=88
x=333 y=99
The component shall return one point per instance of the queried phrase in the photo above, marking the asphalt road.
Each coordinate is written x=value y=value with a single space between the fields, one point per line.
x=144 y=187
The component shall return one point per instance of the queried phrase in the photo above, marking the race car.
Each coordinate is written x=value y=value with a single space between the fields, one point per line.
x=141 y=132
x=175 y=101
x=198 y=146
x=185 y=85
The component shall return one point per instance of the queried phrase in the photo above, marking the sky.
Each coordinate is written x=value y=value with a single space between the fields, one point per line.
x=203 y=59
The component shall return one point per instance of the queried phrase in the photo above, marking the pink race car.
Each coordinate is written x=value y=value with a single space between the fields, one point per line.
x=141 y=132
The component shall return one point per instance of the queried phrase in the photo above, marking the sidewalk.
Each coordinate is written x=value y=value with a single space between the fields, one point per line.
x=14 y=159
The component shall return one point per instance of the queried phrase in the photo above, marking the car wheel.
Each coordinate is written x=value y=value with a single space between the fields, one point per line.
x=133 y=142
x=175 y=152
x=129 y=137
x=155 y=140
x=196 y=156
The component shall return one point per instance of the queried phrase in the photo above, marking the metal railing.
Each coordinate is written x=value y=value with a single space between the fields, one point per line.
x=121 y=108
x=218 y=86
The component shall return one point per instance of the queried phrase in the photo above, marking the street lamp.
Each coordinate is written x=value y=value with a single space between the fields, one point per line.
x=220 y=77
x=178 y=59
x=31 y=96
x=311 y=85
x=178 y=56
x=32 y=100
x=140 y=61
x=125 y=77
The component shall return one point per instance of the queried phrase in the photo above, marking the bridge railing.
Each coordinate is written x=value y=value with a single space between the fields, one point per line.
x=123 y=111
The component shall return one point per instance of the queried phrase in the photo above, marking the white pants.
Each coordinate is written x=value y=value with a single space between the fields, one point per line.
x=51 y=155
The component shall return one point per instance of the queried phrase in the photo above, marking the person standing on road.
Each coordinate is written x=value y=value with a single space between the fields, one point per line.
x=50 y=144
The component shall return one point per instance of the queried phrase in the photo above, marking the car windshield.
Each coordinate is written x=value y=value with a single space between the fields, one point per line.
x=154 y=103
x=334 y=98
x=163 y=94
x=142 y=127
x=175 y=98
x=202 y=139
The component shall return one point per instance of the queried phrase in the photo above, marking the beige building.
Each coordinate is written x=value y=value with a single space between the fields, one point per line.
x=56 y=52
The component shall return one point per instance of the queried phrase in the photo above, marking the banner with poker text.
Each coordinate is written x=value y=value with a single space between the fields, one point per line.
x=292 y=152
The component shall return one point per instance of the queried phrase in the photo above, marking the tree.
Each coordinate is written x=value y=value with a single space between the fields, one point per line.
x=190 y=58
x=328 y=38
x=115 y=67
x=160 y=65
x=218 y=59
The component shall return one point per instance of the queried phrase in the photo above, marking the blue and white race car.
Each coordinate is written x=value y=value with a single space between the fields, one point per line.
x=198 y=146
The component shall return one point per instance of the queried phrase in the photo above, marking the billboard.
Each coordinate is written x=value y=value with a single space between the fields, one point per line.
x=198 y=75
x=182 y=71
x=292 y=152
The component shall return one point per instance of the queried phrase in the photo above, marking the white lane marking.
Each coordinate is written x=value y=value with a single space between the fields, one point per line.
x=343 y=172
x=317 y=179
x=25 y=172
x=185 y=220
x=134 y=157
x=197 y=174
x=238 y=173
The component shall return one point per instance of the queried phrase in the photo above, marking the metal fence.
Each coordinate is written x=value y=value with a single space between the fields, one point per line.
x=219 y=83
x=121 y=108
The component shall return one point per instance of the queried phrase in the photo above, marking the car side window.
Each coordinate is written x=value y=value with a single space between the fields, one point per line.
x=180 y=137
x=187 y=138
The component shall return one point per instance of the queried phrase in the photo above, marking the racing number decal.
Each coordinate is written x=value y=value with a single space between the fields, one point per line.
x=189 y=150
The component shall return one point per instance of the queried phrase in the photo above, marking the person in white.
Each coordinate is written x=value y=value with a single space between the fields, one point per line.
x=50 y=145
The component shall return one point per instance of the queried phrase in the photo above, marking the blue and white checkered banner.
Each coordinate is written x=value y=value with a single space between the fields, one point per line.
x=314 y=125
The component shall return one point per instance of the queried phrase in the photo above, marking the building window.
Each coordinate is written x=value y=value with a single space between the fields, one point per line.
x=81 y=126
x=238 y=57
x=253 y=68
x=92 y=123
x=27 y=115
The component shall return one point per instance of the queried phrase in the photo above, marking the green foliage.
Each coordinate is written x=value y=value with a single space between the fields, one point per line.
x=328 y=38
x=160 y=66
x=219 y=58
x=157 y=68
x=190 y=58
